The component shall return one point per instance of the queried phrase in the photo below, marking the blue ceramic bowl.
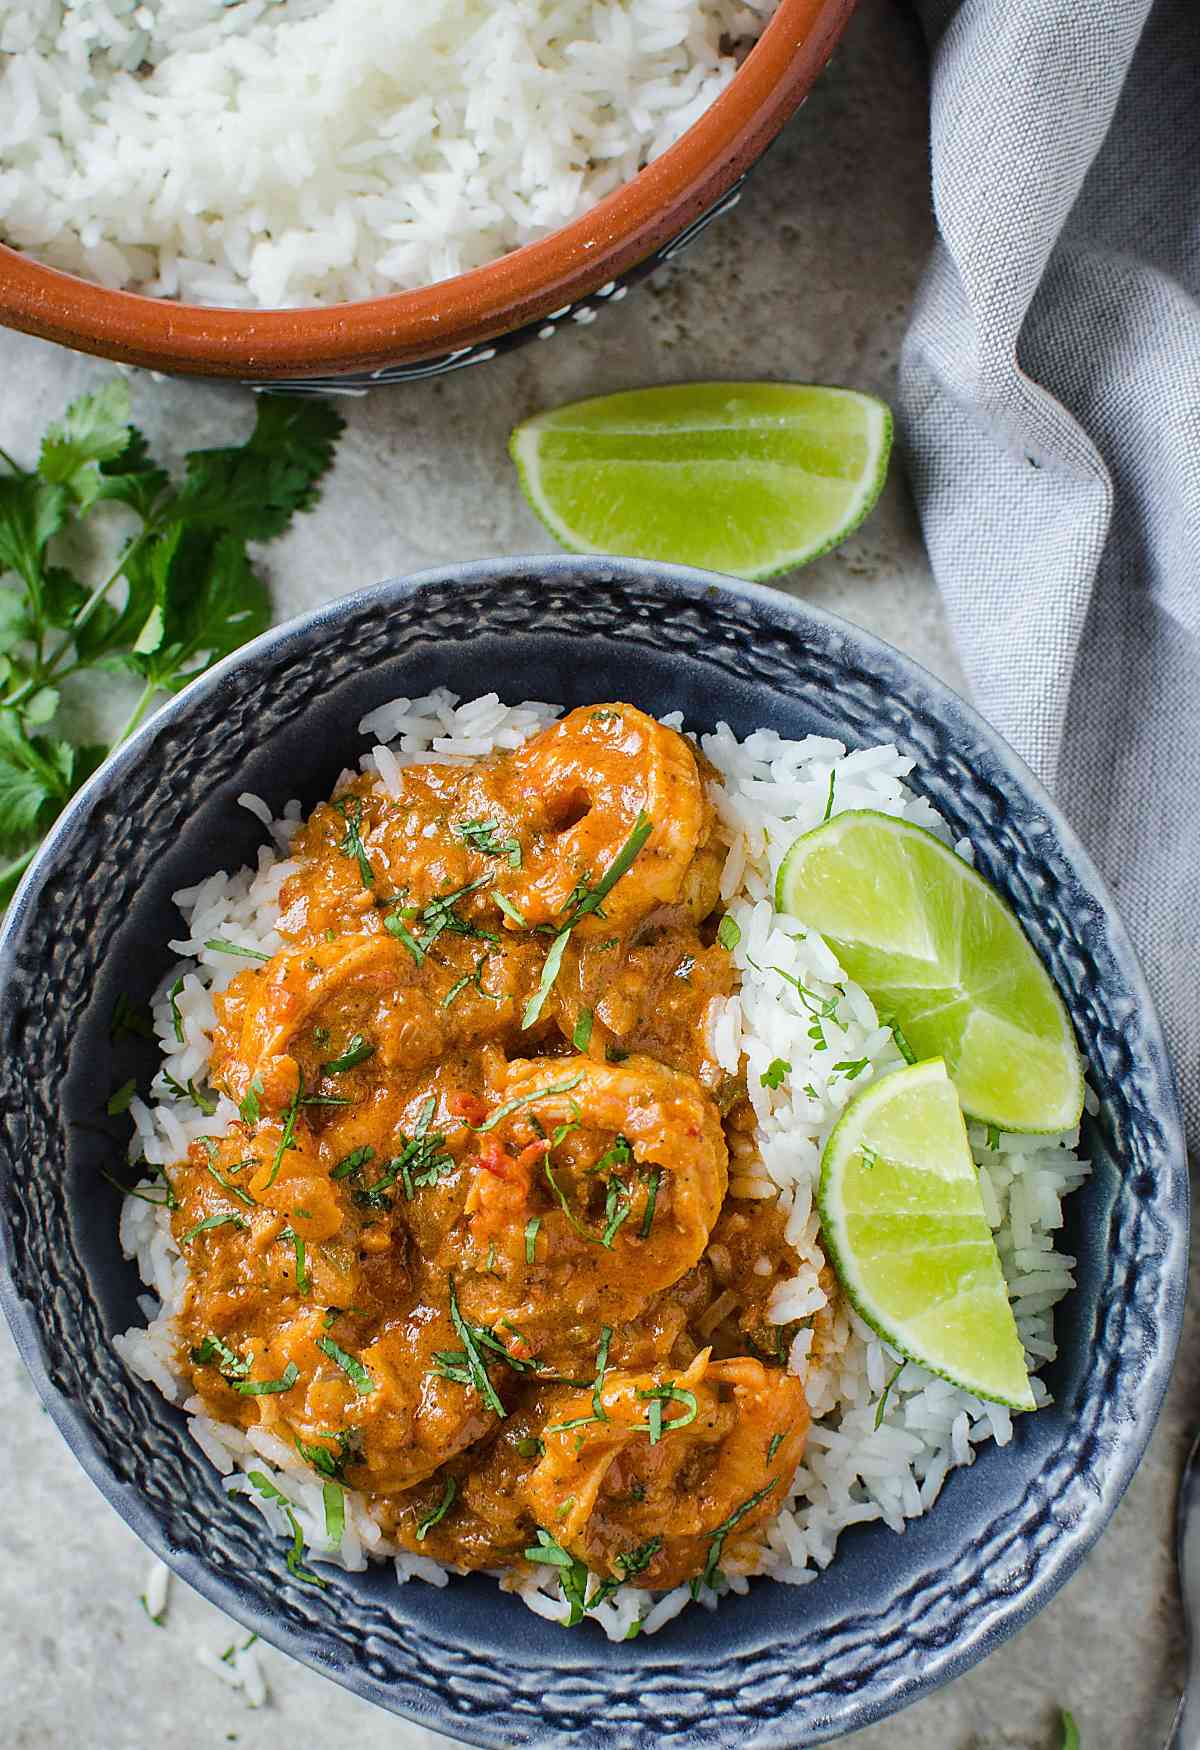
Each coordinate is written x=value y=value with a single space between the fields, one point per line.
x=894 y=1615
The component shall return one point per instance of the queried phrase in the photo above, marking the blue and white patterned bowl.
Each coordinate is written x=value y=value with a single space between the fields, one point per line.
x=893 y=1616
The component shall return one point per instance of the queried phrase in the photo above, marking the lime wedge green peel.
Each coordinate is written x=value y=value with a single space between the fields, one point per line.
x=902 y=1218
x=939 y=953
x=746 y=478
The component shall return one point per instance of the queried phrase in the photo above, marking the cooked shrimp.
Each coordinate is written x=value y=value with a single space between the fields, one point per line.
x=621 y=1169
x=384 y=1403
x=582 y=787
x=672 y=1460
x=308 y=1005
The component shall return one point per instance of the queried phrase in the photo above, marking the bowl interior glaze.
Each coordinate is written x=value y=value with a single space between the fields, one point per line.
x=516 y=292
x=894 y=1615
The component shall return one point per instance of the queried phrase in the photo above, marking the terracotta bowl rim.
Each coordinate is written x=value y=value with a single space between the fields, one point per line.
x=521 y=287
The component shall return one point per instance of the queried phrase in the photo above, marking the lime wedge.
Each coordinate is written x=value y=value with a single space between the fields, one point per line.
x=746 y=478
x=903 y=1222
x=939 y=954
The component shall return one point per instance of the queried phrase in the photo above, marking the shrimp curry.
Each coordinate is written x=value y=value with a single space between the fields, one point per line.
x=472 y=1246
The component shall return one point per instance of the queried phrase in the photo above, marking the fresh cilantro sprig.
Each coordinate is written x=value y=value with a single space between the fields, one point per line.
x=181 y=594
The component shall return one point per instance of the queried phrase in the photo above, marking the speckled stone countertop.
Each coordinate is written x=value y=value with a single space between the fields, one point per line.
x=811 y=279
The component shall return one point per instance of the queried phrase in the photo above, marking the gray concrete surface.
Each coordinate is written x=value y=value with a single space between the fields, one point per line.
x=811 y=279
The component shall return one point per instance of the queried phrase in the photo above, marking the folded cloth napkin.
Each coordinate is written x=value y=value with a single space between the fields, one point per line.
x=1050 y=409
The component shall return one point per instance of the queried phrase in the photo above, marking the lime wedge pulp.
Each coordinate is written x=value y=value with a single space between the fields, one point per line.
x=746 y=478
x=939 y=954
x=903 y=1221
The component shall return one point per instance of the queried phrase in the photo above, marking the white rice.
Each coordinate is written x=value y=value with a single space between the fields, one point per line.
x=853 y=1470
x=285 y=152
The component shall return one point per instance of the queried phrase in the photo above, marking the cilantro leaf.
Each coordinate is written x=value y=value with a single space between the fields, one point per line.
x=186 y=590
x=37 y=776
x=94 y=429
x=254 y=489
x=31 y=512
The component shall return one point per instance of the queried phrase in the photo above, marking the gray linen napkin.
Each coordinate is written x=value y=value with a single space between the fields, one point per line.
x=1050 y=410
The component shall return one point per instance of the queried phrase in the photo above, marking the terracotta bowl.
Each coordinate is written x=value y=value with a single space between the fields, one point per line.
x=464 y=320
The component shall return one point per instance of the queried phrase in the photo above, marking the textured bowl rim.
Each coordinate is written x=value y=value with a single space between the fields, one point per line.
x=524 y=287
x=1017 y=1605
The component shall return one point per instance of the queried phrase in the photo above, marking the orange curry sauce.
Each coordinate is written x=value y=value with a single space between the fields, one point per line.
x=478 y=1256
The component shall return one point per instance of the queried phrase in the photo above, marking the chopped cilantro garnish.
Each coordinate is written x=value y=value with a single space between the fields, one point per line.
x=329 y=1464
x=618 y=1154
x=1070 y=1731
x=565 y=1206
x=617 y=1207
x=773 y=1446
x=334 y=1503
x=575 y=1422
x=829 y=798
x=776 y=1070
x=422 y=1161
x=473 y=978
x=288 y=1134
x=728 y=933
x=357 y=1051
x=585 y=901
x=168 y=1200
x=717 y=1537
x=203 y=1102
x=352 y=845
x=582 y=1032
x=469 y=1336
x=531 y=1446
x=531 y=1234
x=511 y=910
x=481 y=836
x=852 y=1067
x=440 y=1511
x=881 y=1407
x=120 y=1101
x=654 y=1179
x=354 y=1370
x=265 y=1388
x=573 y=1576
x=209 y=1223
x=226 y=1184
x=634 y=1563
x=219 y=945
x=550 y=969
x=825 y=1008
x=353 y=1162
x=598 y=1409
x=395 y=926
x=269 y=1492
x=233 y=1366
x=514 y=1105
x=303 y=1279
x=173 y=998
x=870 y=1156
x=250 y=1109
x=591 y=899
x=659 y=1395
